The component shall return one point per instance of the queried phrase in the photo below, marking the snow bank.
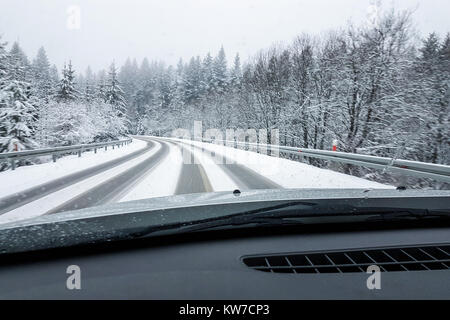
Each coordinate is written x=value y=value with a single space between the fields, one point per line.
x=288 y=173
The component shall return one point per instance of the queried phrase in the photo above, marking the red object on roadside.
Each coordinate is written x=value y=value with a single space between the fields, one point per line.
x=16 y=148
x=335 y=143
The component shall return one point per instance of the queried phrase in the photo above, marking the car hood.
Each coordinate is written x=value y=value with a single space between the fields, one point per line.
x=113 y=221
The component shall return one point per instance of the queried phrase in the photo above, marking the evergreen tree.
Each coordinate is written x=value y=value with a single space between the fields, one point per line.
x=444 y=53
x=101 y=86
x=115 y=98
x=180 y=67
x=430 y=48
x=19 y=64
x=17 y=113
x=42 y=82
x=4 y=69
x=4 y=61
x=16 y=117
x=220 y=79
x=128 y=77
x=89 y=86
x=67 y=91
x=54 y=78
x=192 y=81
x=207 y=74
x=236 y=72
x=114 y=92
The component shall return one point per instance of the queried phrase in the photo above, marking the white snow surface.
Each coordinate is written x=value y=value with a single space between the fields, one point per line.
x=13 y=181
x=161 y=181
x=53 y=200
x=220 y=181
x=288 y=173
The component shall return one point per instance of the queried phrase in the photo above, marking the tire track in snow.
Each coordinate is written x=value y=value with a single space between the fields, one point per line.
x=193 y=178
x=244 y=177
x=21 y=198
x=115 y=187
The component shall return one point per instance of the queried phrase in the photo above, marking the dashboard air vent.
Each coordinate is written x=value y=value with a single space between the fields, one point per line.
x=387 y=259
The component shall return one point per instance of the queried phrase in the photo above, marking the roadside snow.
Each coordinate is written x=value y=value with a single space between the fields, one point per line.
x=30 y=176
x=288 y=173
x=53 y=200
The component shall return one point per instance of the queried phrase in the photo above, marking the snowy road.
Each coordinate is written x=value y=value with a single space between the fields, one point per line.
x=155 y=167
x=25 y=196
x=243 y=177
x=112 y=189
x=193 y=178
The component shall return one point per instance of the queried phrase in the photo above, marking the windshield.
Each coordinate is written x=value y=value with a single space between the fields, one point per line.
x=103 y=103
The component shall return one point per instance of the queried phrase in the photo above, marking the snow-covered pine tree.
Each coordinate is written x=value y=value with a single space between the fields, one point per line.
x=54 y=77
x=207 y=74
x=220 y=72
x=192 y=81
x=101 y=86
x=114 y=92
x=16 y=117
x=42 y=91
x=4 y=68
x=89 y=86
x=67 y=91
x=16 y=112
x=19 y=64
x=115 y=98
x=4 y=61
x=128 y=77
x=236 y=72
x=434 y=75
x=41 y=80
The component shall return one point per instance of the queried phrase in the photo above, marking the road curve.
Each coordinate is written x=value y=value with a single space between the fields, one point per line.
x=244 y=177
x=115 y=187
x=21 y=198
x=192 y=179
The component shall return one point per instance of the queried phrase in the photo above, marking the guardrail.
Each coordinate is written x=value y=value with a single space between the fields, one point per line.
x=413 y=168
x=12 y=157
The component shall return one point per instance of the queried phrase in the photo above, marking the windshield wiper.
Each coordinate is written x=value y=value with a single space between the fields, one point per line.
x=288 y=215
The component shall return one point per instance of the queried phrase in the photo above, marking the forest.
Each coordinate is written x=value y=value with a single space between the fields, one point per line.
x=379 y=90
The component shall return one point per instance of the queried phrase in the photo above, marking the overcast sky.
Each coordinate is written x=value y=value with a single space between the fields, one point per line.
x=169 y=29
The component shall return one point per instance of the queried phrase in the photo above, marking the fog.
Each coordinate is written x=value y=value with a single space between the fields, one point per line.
x=172 y=29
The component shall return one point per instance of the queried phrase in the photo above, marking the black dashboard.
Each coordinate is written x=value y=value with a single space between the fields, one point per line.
x=210 y=265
